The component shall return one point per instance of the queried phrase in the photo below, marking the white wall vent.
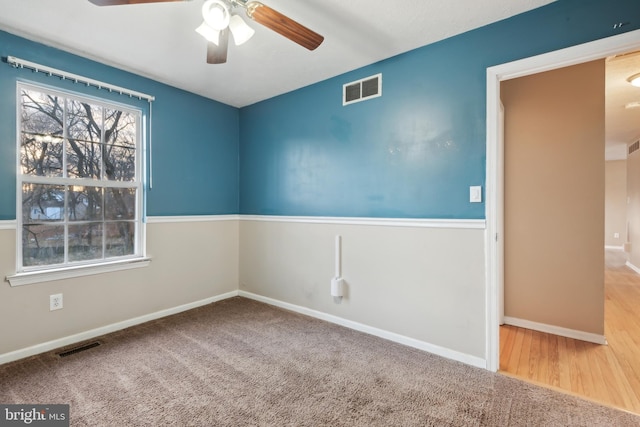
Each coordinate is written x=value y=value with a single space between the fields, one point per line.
x=634 y=147
x=361 y=90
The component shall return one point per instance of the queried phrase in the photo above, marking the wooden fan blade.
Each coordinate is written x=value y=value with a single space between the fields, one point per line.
x=218 y=54
x=121 y=2
x=283 y=25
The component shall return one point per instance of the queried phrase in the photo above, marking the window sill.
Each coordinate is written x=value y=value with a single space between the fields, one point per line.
x=31 y=277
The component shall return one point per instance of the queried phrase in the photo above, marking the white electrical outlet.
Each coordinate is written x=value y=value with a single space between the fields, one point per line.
x=55 y=302
x=616 y=235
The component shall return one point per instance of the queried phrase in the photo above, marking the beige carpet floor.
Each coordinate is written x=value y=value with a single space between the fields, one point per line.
x=243 y=363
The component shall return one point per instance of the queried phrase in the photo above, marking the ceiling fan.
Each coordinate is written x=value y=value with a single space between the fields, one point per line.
x=219 y=21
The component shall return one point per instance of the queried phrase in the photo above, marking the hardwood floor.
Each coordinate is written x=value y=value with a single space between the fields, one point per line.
x=608 y=374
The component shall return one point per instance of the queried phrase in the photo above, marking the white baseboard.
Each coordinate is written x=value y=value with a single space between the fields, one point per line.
x=83 y=336
x=614 y=248
x=556 y=330
x=633 y=267
x=391 y=336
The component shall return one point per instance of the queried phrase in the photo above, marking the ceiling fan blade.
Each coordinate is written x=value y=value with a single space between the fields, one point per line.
x=283 y=25
x=121 y=2
x=218 y=54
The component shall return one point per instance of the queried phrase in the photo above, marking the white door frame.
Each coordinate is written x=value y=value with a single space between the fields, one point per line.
x=494 y=256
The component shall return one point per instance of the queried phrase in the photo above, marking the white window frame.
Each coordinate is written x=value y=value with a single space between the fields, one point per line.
x=34 y=274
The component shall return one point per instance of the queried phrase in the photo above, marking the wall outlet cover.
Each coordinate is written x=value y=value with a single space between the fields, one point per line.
x=475 y=194
x=55 y=302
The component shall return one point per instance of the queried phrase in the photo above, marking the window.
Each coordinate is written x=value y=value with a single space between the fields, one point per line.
x=79 y=181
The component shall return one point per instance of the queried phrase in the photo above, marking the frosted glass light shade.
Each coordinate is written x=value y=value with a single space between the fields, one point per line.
x=216 y=14
x=240 y=30
x=208 y=33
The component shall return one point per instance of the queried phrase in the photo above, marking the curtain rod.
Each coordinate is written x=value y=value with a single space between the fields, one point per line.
x=39 y=68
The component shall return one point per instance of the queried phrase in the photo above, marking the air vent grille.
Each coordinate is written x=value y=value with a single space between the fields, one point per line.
x=352 y=93
x=634 y=147
x=361 y=90
x=79 y=349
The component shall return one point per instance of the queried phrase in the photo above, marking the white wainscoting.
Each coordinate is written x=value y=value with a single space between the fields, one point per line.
x=194 y=262
x=385 y=222
x=8 y=224
x=419 y=282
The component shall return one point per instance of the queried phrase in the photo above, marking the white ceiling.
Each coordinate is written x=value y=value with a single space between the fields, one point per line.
x=622 y=125
x=159 y=41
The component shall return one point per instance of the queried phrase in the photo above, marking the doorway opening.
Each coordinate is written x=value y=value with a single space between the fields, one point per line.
x=599 y=49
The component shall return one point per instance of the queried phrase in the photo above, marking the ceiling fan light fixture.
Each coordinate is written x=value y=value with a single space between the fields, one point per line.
x=219 y=22
x=634 y=80
x=216 y=14
x=208 y=33
x=240 y=30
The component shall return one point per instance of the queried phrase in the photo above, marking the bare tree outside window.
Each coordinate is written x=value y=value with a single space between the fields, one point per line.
x=79 y=178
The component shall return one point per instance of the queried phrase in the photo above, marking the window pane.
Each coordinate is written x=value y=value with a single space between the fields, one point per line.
x=41 y=132
x=120 y=238
x=85 y=203
x=42 y=203
x=120 y=143
x=120 y=163
x=42 y=245
x=40 y=155
x=120 y=203
x=84 y=156
x=83 y=159
x=85 y=241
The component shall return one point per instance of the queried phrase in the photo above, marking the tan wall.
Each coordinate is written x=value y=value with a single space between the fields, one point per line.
x=191 y=261
x=554 y=197
x=633 y=208
x=615 y=202
x=423 y=283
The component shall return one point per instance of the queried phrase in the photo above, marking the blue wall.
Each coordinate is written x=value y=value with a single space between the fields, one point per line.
x=195 y=140
x=411 y=153
x=415 y=151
